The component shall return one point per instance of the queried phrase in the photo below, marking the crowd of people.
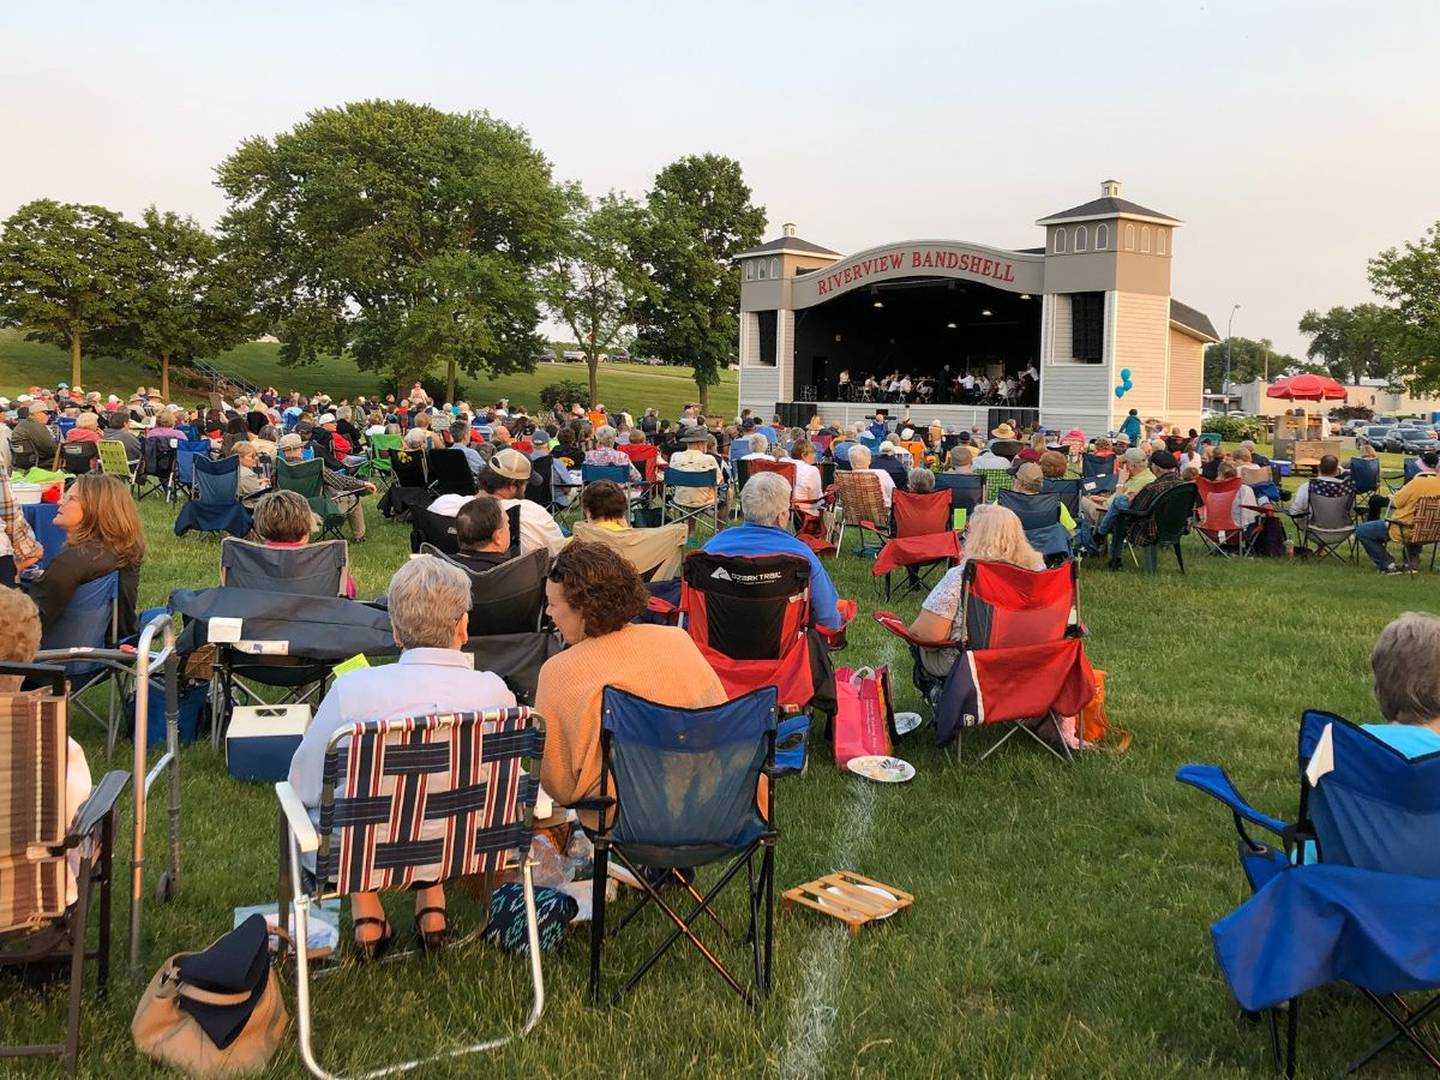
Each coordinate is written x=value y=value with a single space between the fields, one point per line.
x=596 y=596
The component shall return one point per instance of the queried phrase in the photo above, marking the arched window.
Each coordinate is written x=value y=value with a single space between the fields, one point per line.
x=1059 y=241
x=760 y=270
x=1082 y=238
x=774 y=267
x=1159 y=241
x=749 y=271
x=1129 y=237
x=1102 y=237
x=1145 y=240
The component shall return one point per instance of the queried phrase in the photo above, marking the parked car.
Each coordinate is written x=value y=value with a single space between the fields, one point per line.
x=1375 y=434
x=1354 y=427
x=1405 y=440
x=572 y=356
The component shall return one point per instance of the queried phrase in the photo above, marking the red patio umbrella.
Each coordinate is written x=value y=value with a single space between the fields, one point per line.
x=1306 y=387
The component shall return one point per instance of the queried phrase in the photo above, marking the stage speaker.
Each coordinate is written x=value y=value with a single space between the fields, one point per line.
x=795 y=413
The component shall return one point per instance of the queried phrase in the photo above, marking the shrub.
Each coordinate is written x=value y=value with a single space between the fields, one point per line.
x=1352 y=412
x=559 y=396
x=1235 y=428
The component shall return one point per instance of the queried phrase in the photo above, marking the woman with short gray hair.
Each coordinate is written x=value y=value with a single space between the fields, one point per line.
x=429 y=602
x=1406 y=666
x=920 y=481
x=765 y=500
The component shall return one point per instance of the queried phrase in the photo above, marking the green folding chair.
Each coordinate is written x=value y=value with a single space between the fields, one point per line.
x=377 y=463
x=115 y=462
x=307 y=479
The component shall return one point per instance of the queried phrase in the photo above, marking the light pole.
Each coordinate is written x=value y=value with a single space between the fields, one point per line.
x=1229 y=335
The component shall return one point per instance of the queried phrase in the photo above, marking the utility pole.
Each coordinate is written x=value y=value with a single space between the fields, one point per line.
x=1229 y=338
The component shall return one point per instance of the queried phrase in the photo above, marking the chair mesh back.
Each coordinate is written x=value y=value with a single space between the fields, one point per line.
x=1331 y=516
x=770 y=465
x=996 y=481
x=685 y=780
x=86 y=620
x=426 y=799
x=1218 y=504
x=32 y=807
x=509 y=598
x=861 y=498
x=313 y=570
x=217 y=481
x=921 y=515
x=1007 y=606
x=746 y=607
x=113 y=459
x=1376 y=809
x=305 y=478
x=450 y=472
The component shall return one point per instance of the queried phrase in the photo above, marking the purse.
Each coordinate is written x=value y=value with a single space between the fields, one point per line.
x=214 y=1013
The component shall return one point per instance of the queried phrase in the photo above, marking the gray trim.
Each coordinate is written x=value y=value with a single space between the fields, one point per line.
x=1196 y=322
x=787 y=244
x=1108 y=206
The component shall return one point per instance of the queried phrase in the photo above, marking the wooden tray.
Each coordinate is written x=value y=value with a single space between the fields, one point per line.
x=844 y=899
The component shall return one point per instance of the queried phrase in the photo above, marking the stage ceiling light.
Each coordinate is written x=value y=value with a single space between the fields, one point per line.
x=1024 y=296
x=878 y=304
x=985 y=312
x=950 y=326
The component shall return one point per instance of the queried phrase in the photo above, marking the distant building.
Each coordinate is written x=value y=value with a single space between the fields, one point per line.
x=1373 y=394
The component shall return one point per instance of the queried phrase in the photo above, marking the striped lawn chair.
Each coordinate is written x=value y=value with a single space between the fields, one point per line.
x=996 y=481
x=421 y=800
x=37 y=925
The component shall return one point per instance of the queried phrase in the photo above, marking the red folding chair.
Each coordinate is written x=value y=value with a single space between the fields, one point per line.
x=1022 y=654
x=924 y=537
x=1216 y=523
x=645 y=457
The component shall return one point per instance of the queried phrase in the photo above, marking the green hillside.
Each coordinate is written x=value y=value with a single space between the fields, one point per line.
x=631 y=387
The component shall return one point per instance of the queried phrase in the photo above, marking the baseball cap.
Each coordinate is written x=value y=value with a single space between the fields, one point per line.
x=327 y=418
x=290 y=442
x=511 y=464
x=1134 y=456
x=1164 y=459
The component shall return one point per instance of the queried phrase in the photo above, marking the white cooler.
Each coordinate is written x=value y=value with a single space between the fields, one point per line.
x=263 y=738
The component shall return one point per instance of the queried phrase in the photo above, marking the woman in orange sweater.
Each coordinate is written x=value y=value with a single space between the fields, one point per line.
x=592 y=594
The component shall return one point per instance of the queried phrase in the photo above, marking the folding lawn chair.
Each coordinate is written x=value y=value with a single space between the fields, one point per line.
x=1364 y=474
x=114 y=462
x=1422 y=530
x=1173 y=512
x=996 y=481
x=78 y=458
x=924 y=538
x=967 y=490
x=90 y=621
x=308 y=480
x=377 y=467
x=424 y=799
x=186 y=453
x=37 y=925
x=158 y=475
x=1022 y=657
x=319 y=569
x=1040 y=518
x=862 y=507
x=215 y=506
x=645 y=457
x=1216 y=524
x=450 y=472
x=436 y=530
x=710 y=514
x=656 y=554
x=1068 y=490
x=1329 y=520
x=1097 y=465
x=407 y=469
x=1098 y=485
x=678 y=791
x=1345 y=893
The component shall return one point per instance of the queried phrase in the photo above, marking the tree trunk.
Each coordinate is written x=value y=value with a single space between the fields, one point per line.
x=704 y=388
x=75 y=360
x=593 y=363
x=450 y=381
x=164 y=376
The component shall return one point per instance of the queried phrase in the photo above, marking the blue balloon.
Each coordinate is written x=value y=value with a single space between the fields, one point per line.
x=1124 y=374
x=1119 y=391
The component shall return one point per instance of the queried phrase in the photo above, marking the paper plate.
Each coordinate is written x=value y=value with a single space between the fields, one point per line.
x=883 y=894
x=878 y=767
x=906 y=722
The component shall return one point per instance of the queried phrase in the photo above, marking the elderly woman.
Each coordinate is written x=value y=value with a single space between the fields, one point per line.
x=86 y=429
x=860 y=462
x=1053 y=465
x=429 y=603
x=993 y=534
x=1406 y=667
x=921 y=481
x=605 y=453
x=604 y=504
x=592 y=593
x=249 y=482
x=283 y=519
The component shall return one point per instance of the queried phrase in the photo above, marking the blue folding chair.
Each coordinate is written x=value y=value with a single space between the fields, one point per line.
x=1364 y=475
x=675 y=479
x=679 y=787
x=967 y=490
x=1346 y=893
x=1067 y=489
x=1097 y=465
x=90 y=621
x=1098 y=485
x=1040 y=518
x=190 y=431
x=215 y=507
x=620 y=474
x=185 y=454
x=1412 y=468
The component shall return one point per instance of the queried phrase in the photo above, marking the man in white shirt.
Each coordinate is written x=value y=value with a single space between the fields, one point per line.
x=506 y=478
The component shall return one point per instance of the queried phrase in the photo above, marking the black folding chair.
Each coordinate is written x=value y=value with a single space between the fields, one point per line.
x=157 y=477
x=679 y=788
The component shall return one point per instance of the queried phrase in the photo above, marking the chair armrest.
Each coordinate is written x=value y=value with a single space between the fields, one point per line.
x=97 y=807
x=591 y=802
x=1211 y=779
x=297 y=817
x=897 y=626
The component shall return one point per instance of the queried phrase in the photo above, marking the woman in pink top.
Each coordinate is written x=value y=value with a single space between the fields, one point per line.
x=86 y=429
x=283 y=519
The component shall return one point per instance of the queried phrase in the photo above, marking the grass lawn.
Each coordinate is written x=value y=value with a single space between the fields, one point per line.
x=631 y=387
x=1060 y=926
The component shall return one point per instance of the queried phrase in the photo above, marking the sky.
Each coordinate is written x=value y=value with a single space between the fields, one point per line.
x=1294 y=139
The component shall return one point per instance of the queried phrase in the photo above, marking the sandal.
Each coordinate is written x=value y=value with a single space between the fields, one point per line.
x=431 y=940
x=369 y=952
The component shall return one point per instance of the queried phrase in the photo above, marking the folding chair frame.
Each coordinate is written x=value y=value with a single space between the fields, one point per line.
x=302 y=837
x=711 y=514
x=759 y=888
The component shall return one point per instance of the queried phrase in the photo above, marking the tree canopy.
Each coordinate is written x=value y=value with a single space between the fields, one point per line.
x=68 y=273
x=1410 y=279
x=594 y=283
x=700 y=217
x=402 y=233
x=1249 y=360
x=1352 y=343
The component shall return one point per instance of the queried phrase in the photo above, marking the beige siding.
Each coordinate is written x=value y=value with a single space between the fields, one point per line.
x=1187 y=375
x=1142 y=325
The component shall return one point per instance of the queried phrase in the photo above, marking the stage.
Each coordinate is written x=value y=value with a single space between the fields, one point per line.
x=960 y=417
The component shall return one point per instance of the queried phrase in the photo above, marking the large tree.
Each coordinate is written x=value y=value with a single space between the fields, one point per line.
x=402 y=233
x=700 y=217
x=190 y=302
x=68 y=273
x=1352 y=343
x=1249 y=360
x=1410 y=280
x=594 y=283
